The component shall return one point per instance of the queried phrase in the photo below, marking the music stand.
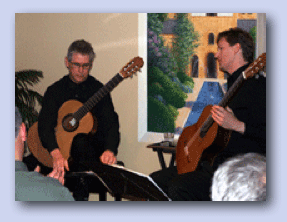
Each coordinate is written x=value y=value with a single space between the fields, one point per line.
x=126 y=183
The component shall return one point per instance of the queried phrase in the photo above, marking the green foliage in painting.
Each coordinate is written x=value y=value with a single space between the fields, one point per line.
x=253 y=33
x=170 y=92
x=166 y=91
x=186 y=80
x=160 y=118
x=185 y=42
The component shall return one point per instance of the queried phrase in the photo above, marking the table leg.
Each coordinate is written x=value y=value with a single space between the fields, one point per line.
x=171 y=163
x=161 y=159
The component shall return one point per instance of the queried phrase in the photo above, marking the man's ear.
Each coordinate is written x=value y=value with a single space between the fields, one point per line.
x=91 y=66
x=66 y=62
x=237 y=47
x=22 y=132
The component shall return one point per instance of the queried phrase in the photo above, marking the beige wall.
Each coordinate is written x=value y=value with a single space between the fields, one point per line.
x=42 y=40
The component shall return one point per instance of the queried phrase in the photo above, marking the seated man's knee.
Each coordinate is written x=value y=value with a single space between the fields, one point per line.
x=189 y=187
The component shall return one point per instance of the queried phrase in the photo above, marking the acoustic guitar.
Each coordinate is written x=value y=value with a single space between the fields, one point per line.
x=75 y=117
x=194 y=144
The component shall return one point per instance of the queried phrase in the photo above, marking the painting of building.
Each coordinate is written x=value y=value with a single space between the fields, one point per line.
x=208 y=25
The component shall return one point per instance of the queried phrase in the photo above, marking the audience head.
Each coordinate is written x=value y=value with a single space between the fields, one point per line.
x=18 y=122
x=242 y=178
x=20 y=135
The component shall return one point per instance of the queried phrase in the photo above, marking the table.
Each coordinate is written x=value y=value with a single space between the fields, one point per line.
x=160 y=149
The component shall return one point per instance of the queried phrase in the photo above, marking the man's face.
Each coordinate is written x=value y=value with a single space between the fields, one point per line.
x=225 y=55
x=79 y=67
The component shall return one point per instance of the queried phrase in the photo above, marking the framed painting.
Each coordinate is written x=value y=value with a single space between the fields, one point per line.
x=181 y=75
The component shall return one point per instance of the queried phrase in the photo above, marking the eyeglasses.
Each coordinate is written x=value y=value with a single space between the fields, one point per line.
x=78 y=65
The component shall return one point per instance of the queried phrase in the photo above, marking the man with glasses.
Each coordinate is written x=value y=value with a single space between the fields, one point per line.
x=79 y=85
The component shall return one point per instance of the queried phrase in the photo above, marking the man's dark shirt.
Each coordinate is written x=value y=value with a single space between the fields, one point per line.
x=249 y=106
x=107 y=135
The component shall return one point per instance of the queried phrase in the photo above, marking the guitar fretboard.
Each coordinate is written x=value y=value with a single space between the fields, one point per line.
x=223 y=103
x=108 y=87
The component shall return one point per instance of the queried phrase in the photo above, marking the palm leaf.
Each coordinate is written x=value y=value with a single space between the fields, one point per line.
x=30 y=77
x=25 y=98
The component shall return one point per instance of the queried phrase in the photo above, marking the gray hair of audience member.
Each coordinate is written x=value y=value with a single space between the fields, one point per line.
x=242 y=178
x=18 y=121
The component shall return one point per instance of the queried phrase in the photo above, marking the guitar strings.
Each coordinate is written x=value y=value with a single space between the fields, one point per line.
x=83 y=110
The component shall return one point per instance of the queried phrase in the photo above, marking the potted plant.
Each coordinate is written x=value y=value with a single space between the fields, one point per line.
x=25 y=98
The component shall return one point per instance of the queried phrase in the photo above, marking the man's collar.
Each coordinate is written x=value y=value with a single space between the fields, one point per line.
x=235 y=74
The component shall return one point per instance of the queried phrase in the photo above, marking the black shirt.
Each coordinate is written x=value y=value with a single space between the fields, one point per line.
x=249 y=106
x=65 y=89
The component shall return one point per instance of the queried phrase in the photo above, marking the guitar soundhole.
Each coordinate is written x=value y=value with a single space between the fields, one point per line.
x=70 y=123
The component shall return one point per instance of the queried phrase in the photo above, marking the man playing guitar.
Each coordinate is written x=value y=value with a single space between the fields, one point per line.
x=79 y=85
x=245 y=117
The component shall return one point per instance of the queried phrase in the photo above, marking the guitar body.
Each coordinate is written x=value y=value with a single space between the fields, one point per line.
x=35 y=146
x=64 y=137
x=192 y=148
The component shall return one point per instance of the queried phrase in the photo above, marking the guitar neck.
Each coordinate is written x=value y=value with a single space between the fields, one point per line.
x=223 y=103
x=107 y=88
x=232 y=91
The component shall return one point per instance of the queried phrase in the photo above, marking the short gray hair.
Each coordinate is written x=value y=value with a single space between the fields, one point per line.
x=18 y=121
x=83 y=47
x=242 y=178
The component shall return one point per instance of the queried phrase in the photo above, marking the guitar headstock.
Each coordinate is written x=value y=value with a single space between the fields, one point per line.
x=255 y=67
x=132 y=67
